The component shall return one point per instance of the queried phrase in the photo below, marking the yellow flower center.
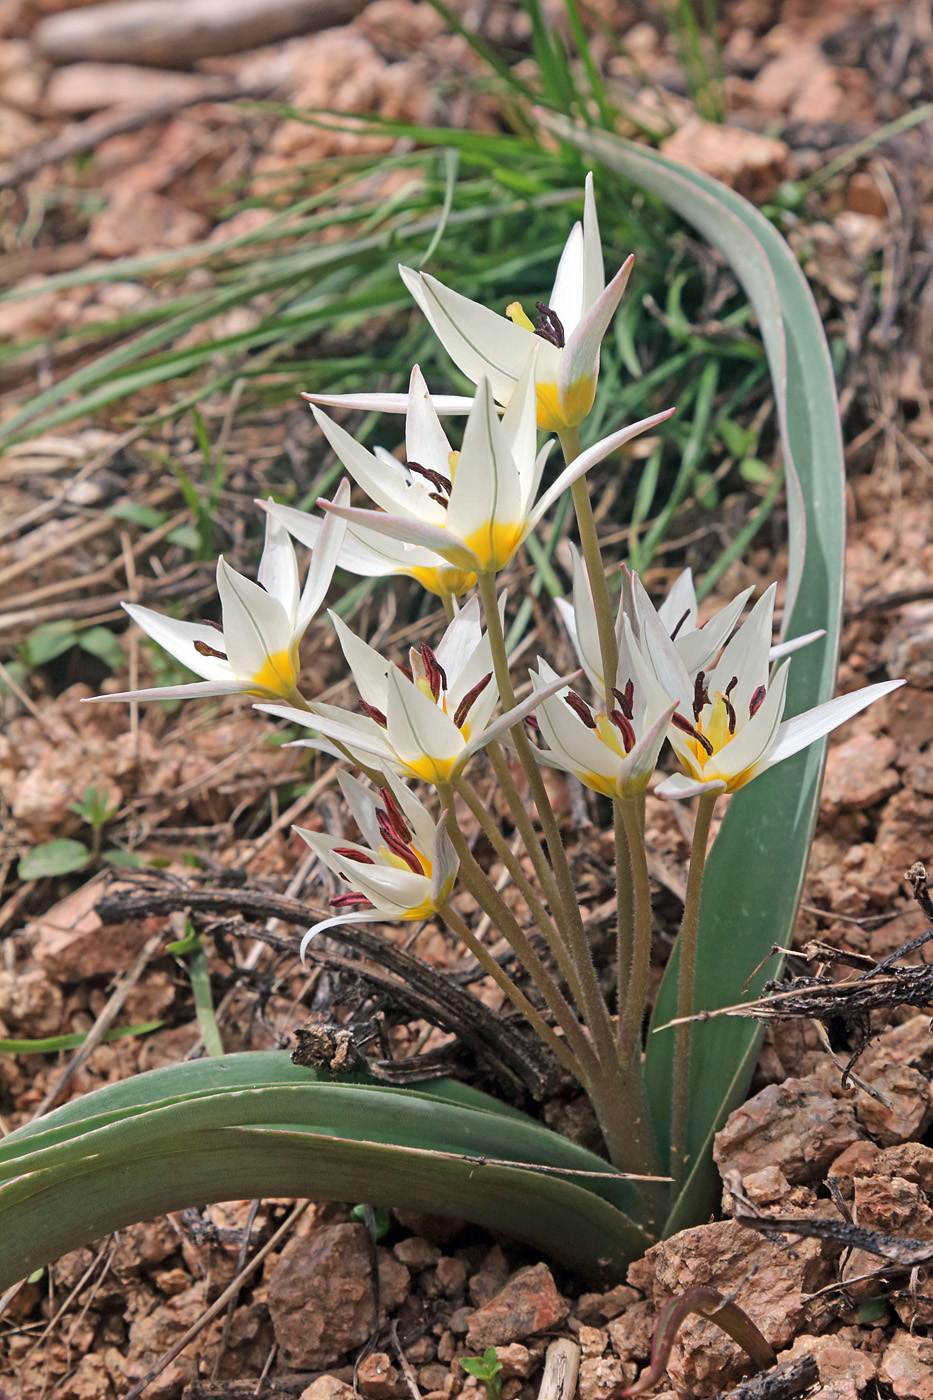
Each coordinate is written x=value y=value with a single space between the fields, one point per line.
x=431 y=770
x=446 y=581
x=494 y=544
x=578 y=400
x=278 y=674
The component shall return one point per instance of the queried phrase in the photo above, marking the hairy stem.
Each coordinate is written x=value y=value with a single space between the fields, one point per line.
x=589 y=544
x=687 y=946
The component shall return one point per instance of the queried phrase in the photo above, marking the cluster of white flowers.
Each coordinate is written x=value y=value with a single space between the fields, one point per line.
x=448 y=518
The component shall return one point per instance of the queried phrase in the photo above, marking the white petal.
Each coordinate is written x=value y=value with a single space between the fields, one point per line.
x=514 y=716
x=520 y=432
x=278 y=568
x=580 y=359
x=797 y=733
x=363 y=802
x=425 y=439
x=368 y=666
x=417 y=727
x=680 y=600
x=755 y=738
x=419 y=818
x=589 y=458
x=479 y=341
x=444 y=861
x=486 y=490
x=746 y=655
x=460 y=641
x=411 y=531
x=567 y=293
x=178 y=638
x=594 y=273
x=795 y=644
x=678 y=785
x=386 y=488
x=197 y=689
x=390 y=403
x=256 y=627
x=324 y=559
x=350 y=916
x=698 y=645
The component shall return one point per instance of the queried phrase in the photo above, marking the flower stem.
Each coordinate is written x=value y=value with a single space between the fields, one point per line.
x=491 y=830
x=448 y=602
x=625 y=913
x=687 y=947
x=479 y=885
x=567 y=910
x=515 y=995
x=589 y=543
x=632 y=1010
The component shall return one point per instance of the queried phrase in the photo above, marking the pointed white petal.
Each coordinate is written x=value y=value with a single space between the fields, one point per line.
x=390 y=403
x=278 y=568
x=368 y=666
x=323 y=562
x=460 y=641
x=362 y=802
x=594 y=272
x=197 y=689
x=795 y=734
x=698 y=645
x=387 y=488
x=417 y=727
x=444 y=863
x=746 y=654
x=638 y=765
x=419 y=818
x=256 y=627
x=486 y=491
x=425 y=439
x=349 y=916
x=178 y=638
x=580 y=359
x=520 y=431
x=756 y=736
x=680 y=600
x=589 y=458
x=795 y=644
x=410 y=531
x=566 y=297
x=479 y=341
x=680 y=786
x=514 y=716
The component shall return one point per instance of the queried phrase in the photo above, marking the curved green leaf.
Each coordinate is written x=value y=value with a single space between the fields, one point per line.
x=754 y=876
x=247 y=1125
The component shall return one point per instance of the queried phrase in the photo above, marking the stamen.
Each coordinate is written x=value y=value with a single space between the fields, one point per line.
x=684 y=725
x=466 y=704
x=406 y=670
x=441 y=500
x=443 y=483
x=351 y=901
x=434 y=671
x=625 y=727
x=700 y=695
x=533 y=724
x=680 y=624
x=402 y=850
x=371 y=712
x=730 y=708
x=754 y=705
x=626 y=699
x=204 y=650
x=549 y=326
x=209 y=622
x=580 y=708
x=349 y=854
x=395 y=815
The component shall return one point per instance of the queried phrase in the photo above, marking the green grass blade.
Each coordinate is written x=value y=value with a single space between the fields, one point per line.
x=257 y=1125
x=756 y=868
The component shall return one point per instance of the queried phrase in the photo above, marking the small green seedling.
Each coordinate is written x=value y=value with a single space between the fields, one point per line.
x=485 y=1368
x=94 y=809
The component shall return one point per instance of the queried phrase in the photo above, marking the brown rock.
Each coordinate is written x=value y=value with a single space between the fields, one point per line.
x=328 y=1388
x=910 y=1043
x=844 y=1371
x=72 y=944
x=140 y=219
x=864 y=197
x=604 y=1377
x=517 y=1360
x=798 y=1127
x=528 y=1303
x=766 y=1186
x=907 y=1366
x=907 y=1109
x=320 y=1295
x=489 y=1280
x=89 y=87
x=451 y=1275
x=593 y=1341
x=767 y=1280
x=752 y=164
x=859 y=774
x=601 y=1307
x=911 y=1160
x=416 y=1254
x=378 y=1378
x=857 y=1160
x=30 y=1004
x=153 y=1335
x=632 y=1332
x=434 y=1377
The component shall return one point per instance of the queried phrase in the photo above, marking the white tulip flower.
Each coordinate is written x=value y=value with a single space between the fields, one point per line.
x=406 y=870
x=254 y=650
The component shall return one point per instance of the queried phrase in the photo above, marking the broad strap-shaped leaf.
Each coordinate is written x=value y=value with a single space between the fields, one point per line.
x=755 y=872
x=245 y=1125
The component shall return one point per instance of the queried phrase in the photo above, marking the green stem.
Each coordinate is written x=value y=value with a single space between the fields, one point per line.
x=479 y=885
x=515 y=995
x=592 y=559
x=513 y=865
x=448 y=606
x=567 y=910
x=625 y=913
x=687 y=948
